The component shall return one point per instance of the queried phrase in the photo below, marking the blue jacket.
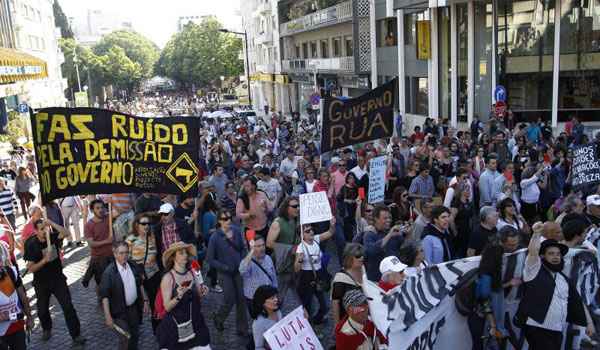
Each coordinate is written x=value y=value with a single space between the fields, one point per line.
x=224 y=255
x=374 y=253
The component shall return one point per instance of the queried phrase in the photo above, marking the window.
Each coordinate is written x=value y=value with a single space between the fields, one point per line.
x=349 y=46
x=304 y=50
x=297 y=52
x=337 y=47
x=420 y=96
x=386 y=32
x=313 y=49
x=325 y=48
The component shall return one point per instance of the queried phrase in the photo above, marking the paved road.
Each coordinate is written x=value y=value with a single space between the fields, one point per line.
x=99 y=337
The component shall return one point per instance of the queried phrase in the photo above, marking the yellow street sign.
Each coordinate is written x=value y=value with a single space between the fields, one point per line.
x=183 y=173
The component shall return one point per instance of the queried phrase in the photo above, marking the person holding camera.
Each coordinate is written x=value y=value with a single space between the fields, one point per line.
x=312 y=277
x=381 y=241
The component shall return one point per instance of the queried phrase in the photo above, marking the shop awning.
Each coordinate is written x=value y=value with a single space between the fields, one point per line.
x=17 y=66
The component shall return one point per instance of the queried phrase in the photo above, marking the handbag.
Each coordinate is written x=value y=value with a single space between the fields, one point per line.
x=185 y=330
x=318 y=284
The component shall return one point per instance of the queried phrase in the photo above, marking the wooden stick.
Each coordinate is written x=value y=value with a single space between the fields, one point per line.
x=110 y=220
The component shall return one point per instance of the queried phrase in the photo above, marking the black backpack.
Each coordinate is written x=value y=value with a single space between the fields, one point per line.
x=465 y=293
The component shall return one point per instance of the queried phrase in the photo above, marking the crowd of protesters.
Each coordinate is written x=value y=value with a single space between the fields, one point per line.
x=490 y=189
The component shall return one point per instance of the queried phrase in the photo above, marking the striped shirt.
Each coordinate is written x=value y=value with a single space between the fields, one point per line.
x=422 y=186
x=6 y=201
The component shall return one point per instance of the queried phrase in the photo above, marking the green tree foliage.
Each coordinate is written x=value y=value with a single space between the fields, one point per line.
x=121 y=59
x=15 y=129
x=61 y=21
x=200 y=54
x=136 y=47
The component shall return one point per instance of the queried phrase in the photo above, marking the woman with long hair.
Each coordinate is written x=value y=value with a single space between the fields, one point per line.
x=142 y=245
x=400 y=207
x=509 y=216
x=265 y=312
x=346 y=205
x=23 y=184
x=182 y=293
x=411 y=254
x=411 y=173
x=349 y=278
x=462 y=211
x=488 y=315
x=253 y=206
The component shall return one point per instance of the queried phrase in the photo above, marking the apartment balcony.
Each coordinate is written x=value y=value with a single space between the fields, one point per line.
x=339 y=13
x=320 y=65
x=264 y=37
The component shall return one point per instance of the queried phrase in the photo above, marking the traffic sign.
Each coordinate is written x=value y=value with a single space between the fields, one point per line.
x=500 y=108
x=500 y=93
x=183 y=172
x=23 y=108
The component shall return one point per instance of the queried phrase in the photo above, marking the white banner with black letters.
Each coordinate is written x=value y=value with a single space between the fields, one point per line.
x=421 y=313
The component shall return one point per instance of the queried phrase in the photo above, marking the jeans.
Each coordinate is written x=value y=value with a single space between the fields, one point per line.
x=60 y=290
x=71 y=215
x=129 y=322
x=306 y=291
x=233 y=294
x=151 y=287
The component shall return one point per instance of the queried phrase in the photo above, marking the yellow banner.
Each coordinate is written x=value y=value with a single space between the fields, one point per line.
x=423 y=40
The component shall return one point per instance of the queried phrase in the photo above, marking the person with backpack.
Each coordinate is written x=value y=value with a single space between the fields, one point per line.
x=486 y=319
x=182 y=324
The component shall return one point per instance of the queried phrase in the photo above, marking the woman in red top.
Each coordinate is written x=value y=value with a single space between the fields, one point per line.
x=324 y=185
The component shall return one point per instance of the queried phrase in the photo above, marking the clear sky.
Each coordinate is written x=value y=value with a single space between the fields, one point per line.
x=157 y=19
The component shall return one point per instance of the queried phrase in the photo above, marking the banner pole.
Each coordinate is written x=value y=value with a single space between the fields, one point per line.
x=110 y=220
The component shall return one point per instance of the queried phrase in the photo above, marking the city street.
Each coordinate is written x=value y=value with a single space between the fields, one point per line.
x=100 y=337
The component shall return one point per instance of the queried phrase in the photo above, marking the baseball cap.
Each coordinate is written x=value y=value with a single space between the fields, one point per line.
x=166 y=208
x=593 y=200
x=354 y=297
x=391 y=264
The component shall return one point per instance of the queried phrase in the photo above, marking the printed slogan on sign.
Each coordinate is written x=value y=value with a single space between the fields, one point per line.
x=365 y=118
x=90 y=151
x=586 y=165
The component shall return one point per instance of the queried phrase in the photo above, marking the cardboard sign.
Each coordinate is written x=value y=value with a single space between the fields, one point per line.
x=293 y=332
x=365 y=118
x=91 y=151
x=377 y=179
x=586 y=167
x=314 y=207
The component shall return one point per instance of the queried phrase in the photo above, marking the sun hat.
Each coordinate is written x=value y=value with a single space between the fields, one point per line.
x=169 y=254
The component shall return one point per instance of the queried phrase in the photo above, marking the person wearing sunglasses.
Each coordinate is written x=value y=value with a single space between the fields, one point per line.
x=348 y=279
x=143 y=252
x=312 y=278
x=226 y=250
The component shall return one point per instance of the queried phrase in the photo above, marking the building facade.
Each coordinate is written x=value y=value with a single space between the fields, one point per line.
x=268 y=86
x=29 y=26
x=90 y=29
x=326 y=48
x=545 y=53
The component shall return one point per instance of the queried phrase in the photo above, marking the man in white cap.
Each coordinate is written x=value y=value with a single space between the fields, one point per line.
x=593 y=209
x=392 y=273
x=171 y=229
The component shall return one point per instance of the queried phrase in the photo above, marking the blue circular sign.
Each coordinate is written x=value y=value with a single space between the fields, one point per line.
x=500 y=93
x=23 y=108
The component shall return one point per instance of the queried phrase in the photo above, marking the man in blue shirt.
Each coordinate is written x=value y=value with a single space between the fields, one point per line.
x=422 y=185
x=381 y=242
x=486 y=181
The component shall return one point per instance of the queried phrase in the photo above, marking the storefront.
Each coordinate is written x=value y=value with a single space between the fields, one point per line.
x=546 y=53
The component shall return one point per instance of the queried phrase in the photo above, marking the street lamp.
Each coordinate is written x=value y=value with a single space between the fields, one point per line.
x=247 y=60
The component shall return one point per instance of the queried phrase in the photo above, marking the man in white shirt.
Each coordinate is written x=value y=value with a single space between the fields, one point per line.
x=361 y=172
x=550 y=299
x=123 y=300
x=288 y=164
x=270 y=186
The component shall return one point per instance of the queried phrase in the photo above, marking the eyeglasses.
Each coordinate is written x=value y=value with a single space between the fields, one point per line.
x=368 y=210
x=309 y=230
x=295 y=206
x=342 y=164
x=358 y=256
x=143 y=223
x=165 y=214
x=225 y=218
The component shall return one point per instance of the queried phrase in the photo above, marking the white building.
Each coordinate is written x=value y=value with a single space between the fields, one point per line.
x=90 y=29
x=269 y=87
x=35 y=34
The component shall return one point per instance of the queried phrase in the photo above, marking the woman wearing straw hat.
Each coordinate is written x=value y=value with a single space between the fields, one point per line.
x=183 y=326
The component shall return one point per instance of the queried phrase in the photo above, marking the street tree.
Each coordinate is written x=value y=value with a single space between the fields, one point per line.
x=61 y=21
x=136 y=47
x=200 y=54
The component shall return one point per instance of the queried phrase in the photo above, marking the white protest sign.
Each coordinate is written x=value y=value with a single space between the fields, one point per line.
x=314 y=207
x=293 y=332
x=377 y=179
